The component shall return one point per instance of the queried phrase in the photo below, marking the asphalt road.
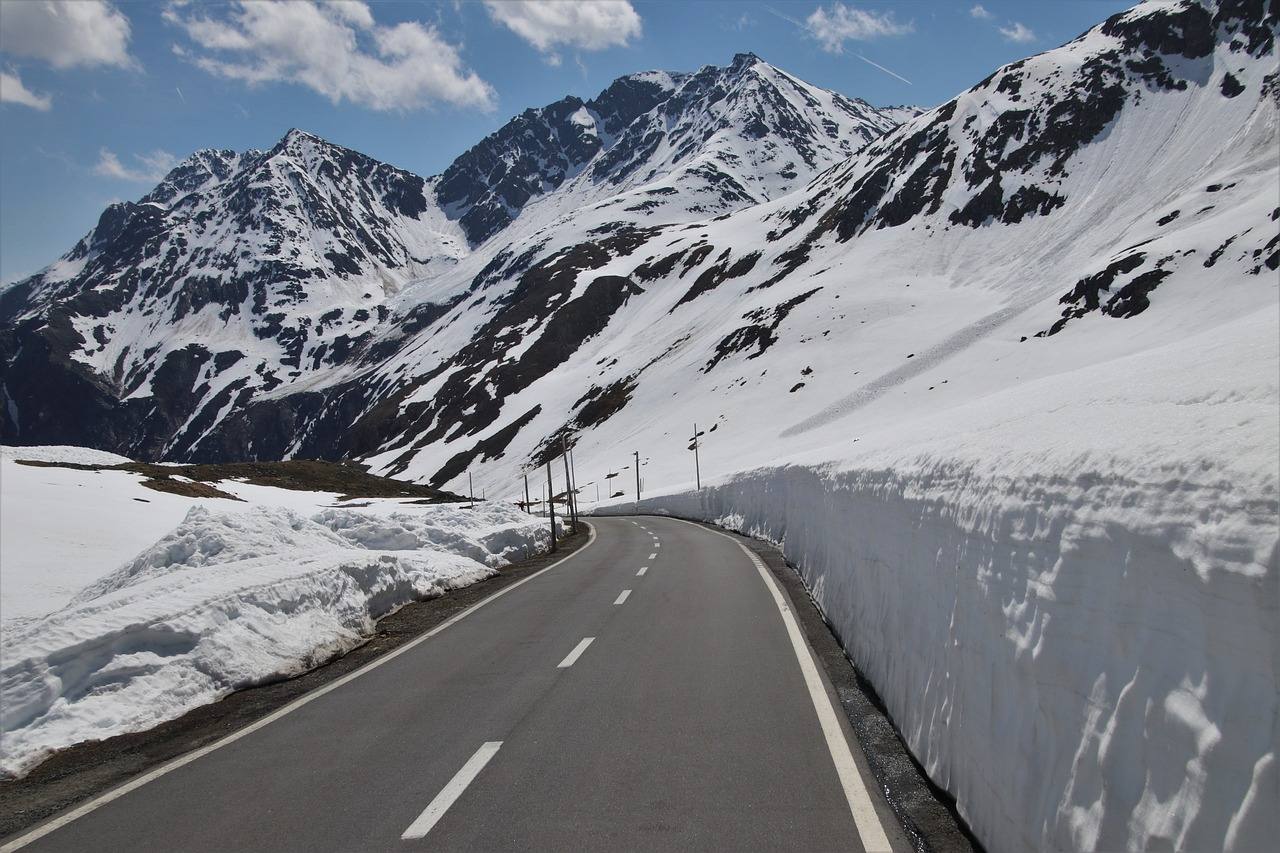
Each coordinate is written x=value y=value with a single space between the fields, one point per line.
x=686 y=722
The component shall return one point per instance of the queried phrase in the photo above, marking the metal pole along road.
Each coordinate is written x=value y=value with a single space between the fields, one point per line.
x=551 y=505
x=697 y=469
x=527 y=506
x=471 y=491
x=637 y=455
x=568 y=487
x=573 y=473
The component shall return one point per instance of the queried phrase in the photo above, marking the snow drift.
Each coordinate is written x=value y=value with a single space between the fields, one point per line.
x=228 y=600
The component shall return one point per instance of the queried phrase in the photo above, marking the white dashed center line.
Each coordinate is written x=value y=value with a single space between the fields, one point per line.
x=653 y=556
x=643 y=569
x=450 y=793
x=623 y=597
x=573 y=656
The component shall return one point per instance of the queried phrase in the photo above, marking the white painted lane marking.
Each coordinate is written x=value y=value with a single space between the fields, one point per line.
x=870 y=830
x=133 y=784
x=573 y=656
x=653 y=556
x=643 y=569
x=623 y=597
x=450 y=793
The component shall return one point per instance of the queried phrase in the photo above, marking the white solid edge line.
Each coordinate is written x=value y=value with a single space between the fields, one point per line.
x=643 y=569
x=572 y=658
x=133 y=784
x=449 y=793
x=870 y=830
x=623 y=596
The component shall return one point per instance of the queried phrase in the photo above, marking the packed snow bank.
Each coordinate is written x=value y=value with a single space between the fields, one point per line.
x=61 y=529
x=67 y=453
x=228 y=600
x=1069 y=610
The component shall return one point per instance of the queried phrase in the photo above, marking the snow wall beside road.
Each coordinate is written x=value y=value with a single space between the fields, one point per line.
x=1084 y=655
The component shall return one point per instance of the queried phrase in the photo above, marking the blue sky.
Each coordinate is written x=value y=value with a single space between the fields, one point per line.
x=98 y=98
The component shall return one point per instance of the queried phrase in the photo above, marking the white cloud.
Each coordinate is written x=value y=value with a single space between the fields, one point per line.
x=150 y=168
x=67 y=33
x=334 y=48
x=13 y=92
x=835 y=25
x=581 y=24
x=979 y=11
x=1019 y=33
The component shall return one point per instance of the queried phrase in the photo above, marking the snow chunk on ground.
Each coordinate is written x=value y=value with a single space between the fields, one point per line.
x=228 y=600
x=63 y=453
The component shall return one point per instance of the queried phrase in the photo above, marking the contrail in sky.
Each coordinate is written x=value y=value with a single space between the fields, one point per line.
x=801 y=25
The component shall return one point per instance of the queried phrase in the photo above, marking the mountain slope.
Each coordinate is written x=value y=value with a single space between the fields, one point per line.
x=241 y=274
x=987 y=219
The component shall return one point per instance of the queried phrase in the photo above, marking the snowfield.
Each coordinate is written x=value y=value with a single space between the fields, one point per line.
x=232 y=596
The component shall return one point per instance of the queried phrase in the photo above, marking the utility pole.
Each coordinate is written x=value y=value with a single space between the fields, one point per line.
x=568 y=485
x=471 y=490
x=637 y=456
x=527 y=506
x=551 y=505
x=573 y=470
x=697 y=469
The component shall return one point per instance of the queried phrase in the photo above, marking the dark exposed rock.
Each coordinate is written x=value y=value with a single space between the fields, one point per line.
x=485 y=450
x=1231 y=87
x=715 y=275
x=758 y=335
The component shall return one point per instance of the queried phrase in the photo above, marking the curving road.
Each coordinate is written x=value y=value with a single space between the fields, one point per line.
x=649 y=692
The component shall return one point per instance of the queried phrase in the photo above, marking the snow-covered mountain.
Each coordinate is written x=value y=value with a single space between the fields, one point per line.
x=1003 y=379
x=242 y=273
x=1091 y=181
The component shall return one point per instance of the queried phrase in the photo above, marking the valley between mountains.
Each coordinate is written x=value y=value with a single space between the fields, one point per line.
x=1001 y=378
